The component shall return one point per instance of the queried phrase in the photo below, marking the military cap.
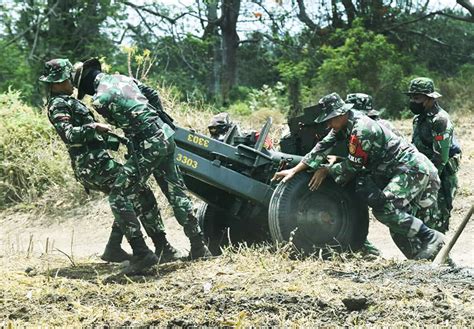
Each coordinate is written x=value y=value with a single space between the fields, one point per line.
x=56 y=70
x=331 y=106
x=424 y=86
x=362 y=102
x=80 y=71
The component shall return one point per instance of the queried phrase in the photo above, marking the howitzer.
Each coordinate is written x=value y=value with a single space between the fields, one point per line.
x=242 y=204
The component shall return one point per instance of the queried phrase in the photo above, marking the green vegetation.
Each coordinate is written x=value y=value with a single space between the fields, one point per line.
x=32 y=159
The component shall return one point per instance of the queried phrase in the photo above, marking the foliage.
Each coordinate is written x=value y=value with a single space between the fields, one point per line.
x=32 y=159
x=14 y=70
x=267 y=97
x=457 y=91
x=366 y=63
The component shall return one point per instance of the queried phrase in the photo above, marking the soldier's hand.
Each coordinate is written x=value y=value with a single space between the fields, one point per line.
x=332 y=159
x=102 y=127
x=284 y=175
x=318 y=177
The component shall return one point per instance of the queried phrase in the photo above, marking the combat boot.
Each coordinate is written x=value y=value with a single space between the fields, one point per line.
x=369 y=249
x=113 y=252
x=143 y=258
x=164 y=250
x=198 y=247
x=431 y=243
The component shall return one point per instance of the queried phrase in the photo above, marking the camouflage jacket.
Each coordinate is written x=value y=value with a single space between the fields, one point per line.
x=119 y=99
x=74 y=123
x=324 y=147
x=377 y=150
x=433 y=135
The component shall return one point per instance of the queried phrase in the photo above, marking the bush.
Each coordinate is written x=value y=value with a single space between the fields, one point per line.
x=365 y=63
x=32 y=159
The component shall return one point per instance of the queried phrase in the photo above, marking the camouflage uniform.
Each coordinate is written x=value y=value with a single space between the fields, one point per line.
x=411 y=181
x=119 y=99
x=433 y=135
x=92 y=164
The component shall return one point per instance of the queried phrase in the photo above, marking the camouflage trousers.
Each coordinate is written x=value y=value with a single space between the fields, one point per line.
x=411 y=201
x=153 y=156
x=446 y=195
x=98 y=171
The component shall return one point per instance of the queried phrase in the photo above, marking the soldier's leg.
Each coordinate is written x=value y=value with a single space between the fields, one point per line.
x=446 y=196
x=150 y=217
x=123 y=197
x=174 y=189
x=99 y=175
x=402 y=194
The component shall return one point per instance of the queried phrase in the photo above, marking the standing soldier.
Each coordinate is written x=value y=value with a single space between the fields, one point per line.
x=119 y=99
x=94 y=168
x=412 y=179
x=433 y=135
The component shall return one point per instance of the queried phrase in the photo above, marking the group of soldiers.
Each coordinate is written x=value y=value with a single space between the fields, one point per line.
x=410 y=187
x=135 y=108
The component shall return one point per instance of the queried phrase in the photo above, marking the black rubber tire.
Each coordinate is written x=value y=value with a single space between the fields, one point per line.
x=217 y=227
x=331 y=216
x=214 y=226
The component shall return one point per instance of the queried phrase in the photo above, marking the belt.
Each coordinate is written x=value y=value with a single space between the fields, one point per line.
x=93 y=145
x=153 y=129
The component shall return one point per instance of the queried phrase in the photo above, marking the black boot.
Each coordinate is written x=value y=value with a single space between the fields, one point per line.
x=165 y=252
x=143 y=258
x=198 y=247
x=113 y=252
x=431 y=242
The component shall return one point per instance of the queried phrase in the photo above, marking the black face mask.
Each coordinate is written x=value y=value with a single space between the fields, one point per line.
x=417 y=108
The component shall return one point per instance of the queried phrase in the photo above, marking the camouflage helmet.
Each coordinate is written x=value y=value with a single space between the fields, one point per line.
x=424 y=86
x=80 y=71
x=56 y=71
x=331 y=106
x=362 y=102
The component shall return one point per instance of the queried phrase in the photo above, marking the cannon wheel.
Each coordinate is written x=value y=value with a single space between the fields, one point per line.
x=331 y=216
x=217 y=226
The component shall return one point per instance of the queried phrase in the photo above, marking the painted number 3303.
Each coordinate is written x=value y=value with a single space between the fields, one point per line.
x=198 y=140
x=186 y=161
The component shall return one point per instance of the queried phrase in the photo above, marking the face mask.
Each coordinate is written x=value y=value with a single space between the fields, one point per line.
x=417 y=108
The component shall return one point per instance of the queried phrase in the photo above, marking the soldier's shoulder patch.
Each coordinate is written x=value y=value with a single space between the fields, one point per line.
x=357 y=154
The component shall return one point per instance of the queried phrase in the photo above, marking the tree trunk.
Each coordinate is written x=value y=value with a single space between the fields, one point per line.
x=211 y=35
x=294 y=90
x=230 y=44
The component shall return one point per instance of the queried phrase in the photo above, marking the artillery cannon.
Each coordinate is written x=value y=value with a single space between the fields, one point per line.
x=241 y=204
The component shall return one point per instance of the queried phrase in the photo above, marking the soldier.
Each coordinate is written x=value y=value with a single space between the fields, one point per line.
x=433 y=135
x=363 y=102
x=119 y=99
x=219 y=126
x=94 y=168
x=412 y=181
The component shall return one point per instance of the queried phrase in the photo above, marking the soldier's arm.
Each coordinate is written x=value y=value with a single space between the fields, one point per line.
x=59 y=114
x=320 y=151
x=151 y=94
x=442 y=140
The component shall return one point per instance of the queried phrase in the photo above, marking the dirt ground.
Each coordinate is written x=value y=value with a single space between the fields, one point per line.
x=387 y=291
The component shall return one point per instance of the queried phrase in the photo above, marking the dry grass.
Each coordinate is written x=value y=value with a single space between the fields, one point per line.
x=245 y=287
